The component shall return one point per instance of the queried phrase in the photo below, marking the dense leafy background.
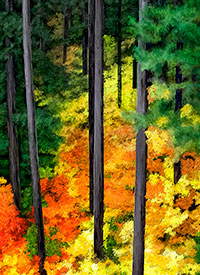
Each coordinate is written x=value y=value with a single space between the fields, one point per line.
x=172 y=242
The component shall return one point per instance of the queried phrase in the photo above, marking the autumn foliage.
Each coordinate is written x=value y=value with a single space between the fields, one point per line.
x=12 y=226
x=172 y=219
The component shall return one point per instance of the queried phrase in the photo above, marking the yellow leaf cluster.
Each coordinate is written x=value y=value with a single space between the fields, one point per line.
x=162 y=121
x=188 y=112
x=2 y=181
x=157 y=138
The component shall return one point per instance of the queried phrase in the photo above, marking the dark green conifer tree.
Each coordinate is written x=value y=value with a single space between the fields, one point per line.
x=11 y=110
x=143 y=81
x=165 y=27
x=117 y=13
x=32 y=136
x=175 y=69
x=45 y=73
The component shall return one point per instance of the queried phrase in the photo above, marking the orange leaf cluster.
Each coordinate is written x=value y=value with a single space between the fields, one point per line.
x=185 y=202
x=67 y=196
x=61 y=211
x=12 y=227
x=190 y=162
x=153 y=191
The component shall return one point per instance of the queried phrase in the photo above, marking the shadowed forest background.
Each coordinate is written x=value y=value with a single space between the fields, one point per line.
x=100 y=137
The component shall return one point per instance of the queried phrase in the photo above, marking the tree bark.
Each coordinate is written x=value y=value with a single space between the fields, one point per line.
x=98 y=131
x=119 y=56
x=178 y=106
x=161 y=2
x=71 y=16
x=134 y=60
x=32 y=133
x=141 y=162
x=134 y=74
x=91 y=19
x=11 y=108
x=40 y=15
x=135 y=68
x=84 y=40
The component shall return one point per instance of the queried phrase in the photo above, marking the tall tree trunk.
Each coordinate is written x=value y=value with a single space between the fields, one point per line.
x=32 y=133
x=71 y=16
x=178 y=106
x=91 y=19
x=40 y=16
x=98 y=131
x=119 y=56
x=66 y=26
x=141 y=162
x=161 y=2
x=11 y=107
x=134 y=73
x=134 y=60
x=84 y=40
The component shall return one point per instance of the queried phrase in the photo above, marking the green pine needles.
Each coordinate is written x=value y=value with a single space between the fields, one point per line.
x=171 y=33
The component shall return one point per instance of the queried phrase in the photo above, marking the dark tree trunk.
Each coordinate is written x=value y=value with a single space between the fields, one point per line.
x=12 y=133
x=178 y=106
x=134 y=74
x=85 y=40
x=161 y=2
x=9 y=5
x=91 y=5
x=66 y=27
x=134 y=60
x=141 y=162
x=98 y=131
x=32 y=133
x=139 y=213
x=71 y=17
x=119 y=56
x=41 y=15
x=135 y=69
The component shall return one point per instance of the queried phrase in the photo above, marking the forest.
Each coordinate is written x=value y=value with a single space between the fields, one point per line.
x=100 y=137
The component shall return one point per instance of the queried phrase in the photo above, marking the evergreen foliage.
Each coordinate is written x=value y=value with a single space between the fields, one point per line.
x=53 y=247
x=128 y=9
x=45 y=73
x=172 y=241
x=163 y=27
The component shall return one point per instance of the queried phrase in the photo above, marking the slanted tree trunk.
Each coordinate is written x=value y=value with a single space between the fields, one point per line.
x=91 y=5
x=32 y=133
x=66 y=27
x=11 y=107
x=98 y=131
x=141 y=162
x=178 y=106
x=84 y=40
x=119 y=55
